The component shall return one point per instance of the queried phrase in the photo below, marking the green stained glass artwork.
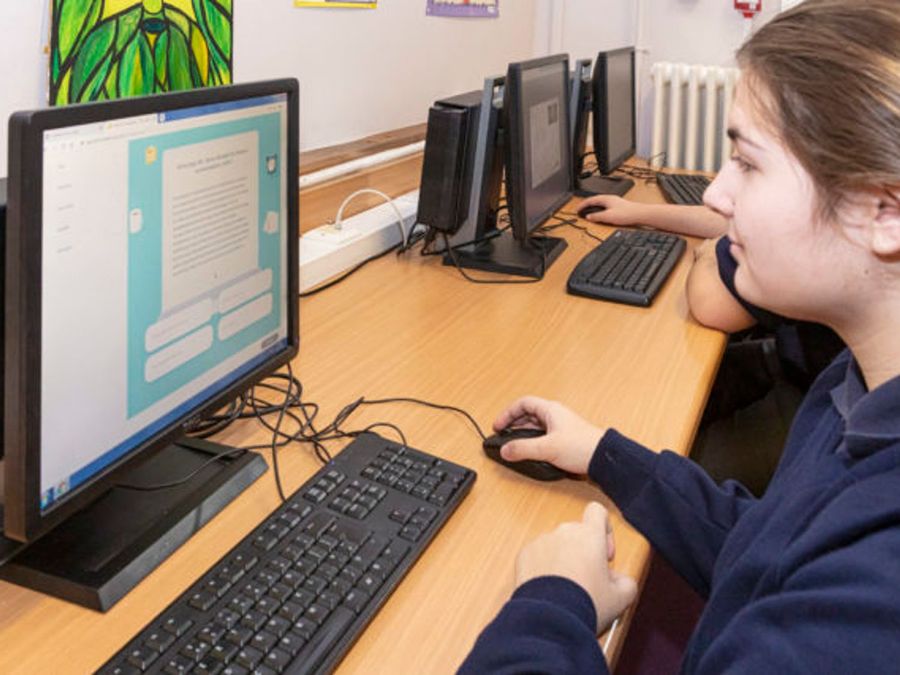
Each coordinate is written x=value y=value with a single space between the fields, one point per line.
x=106 y=49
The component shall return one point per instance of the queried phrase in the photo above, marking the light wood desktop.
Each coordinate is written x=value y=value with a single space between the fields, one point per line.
x=411 y=327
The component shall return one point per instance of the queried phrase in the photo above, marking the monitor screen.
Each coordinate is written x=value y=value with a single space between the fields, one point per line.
x=539 y=167
x=614 y=114
x=165 y=238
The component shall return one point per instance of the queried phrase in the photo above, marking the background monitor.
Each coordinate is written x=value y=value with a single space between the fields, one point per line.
x=580 y=114
x=539 y=150
x=153 y=274
x=614 y=108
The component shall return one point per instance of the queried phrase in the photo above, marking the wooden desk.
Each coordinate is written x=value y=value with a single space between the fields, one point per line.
x=411 y=327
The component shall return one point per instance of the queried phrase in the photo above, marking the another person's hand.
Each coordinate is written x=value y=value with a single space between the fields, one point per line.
x=581 y=551
x=569 y=441
x=618 y=211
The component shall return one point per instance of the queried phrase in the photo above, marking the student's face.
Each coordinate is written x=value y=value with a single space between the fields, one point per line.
x=789 y=260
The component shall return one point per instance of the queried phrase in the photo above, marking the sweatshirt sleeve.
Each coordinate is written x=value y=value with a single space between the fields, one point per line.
x=672 y=502
x=547 y=626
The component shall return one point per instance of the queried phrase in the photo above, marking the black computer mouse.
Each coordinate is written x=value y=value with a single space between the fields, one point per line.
x=527 y=467
x=588 y=209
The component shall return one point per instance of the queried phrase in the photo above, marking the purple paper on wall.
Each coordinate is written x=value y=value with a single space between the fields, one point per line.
x=463 y=8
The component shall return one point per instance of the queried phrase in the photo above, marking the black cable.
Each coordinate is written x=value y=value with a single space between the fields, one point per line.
x=566 y=222
x=490 y=235
x=474 y=280
x=346 y=274
x=436 y=406
x=253 y=405
x=236 y=452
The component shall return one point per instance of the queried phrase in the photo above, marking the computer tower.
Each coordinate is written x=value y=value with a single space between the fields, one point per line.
x=442 y=195
x=463 y=166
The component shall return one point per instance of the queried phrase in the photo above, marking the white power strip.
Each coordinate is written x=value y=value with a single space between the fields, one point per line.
x=325 y=252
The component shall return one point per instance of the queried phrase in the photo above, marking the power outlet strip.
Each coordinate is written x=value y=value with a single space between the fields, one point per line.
x=326 y=252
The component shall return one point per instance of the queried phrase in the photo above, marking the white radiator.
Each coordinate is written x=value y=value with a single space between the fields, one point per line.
x=690 y=109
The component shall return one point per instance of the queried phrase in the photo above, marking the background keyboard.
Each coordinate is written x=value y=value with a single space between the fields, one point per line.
x=629 y=266
x=295 y=594
x=680 y=188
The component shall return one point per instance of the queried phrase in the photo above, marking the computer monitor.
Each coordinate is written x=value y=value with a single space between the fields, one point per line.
x=613 y=109
x=534 y=134
x=152 y=278
x=580 y=114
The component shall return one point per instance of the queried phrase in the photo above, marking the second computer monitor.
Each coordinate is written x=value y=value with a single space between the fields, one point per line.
x=539 y=159
x=613 y=108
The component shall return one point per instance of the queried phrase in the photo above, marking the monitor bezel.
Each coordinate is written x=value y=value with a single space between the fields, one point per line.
x=600 y=109
x=581 y=90
x=23 y=519
x=515 y=144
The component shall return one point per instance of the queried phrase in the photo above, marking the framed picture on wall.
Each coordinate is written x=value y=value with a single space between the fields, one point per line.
x=463 y=8
x=108 y=49
x=352 y=4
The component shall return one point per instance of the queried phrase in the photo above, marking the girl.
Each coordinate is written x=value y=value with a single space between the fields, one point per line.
x=806 y=578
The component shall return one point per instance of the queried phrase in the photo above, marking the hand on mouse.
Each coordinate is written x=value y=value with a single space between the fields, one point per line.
x=581 y=551
x=618 y=211
x=569 y=441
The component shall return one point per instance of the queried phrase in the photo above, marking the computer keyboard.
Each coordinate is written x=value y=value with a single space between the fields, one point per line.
x=629 y=266
x=679 y=188
x=295 y=594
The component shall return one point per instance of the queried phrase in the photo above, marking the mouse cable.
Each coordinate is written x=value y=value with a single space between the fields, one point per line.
x=567 y=222
x=303 y=414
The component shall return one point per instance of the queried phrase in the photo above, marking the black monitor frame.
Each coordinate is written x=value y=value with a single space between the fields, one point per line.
x=580 y=113
x=23 y=519
x=514 y=117
x=600 y=91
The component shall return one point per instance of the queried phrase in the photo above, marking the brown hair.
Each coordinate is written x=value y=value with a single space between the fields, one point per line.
x=830 y=76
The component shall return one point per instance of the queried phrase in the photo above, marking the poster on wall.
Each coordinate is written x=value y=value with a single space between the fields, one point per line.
x=107 y=49
x=353 y=4
x=463 y=8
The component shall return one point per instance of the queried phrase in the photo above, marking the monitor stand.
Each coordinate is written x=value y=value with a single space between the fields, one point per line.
x=603 y=185
x=103 y=551
x=506 y=255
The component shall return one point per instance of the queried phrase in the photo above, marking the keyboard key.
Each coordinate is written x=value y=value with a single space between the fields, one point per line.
x=159 y=640
x=177 y=626
x=235 y=669
x=141 y=657
x=178 y=665
x=203 y=600
x=291 y=643
x=277 y=660
x=194 y=650
x=249 y=657
x=315 y=651
x=223 y=652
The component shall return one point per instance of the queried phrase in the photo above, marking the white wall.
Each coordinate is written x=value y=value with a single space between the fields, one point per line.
x=689 y=31
x=366 y=71
x=360 y=71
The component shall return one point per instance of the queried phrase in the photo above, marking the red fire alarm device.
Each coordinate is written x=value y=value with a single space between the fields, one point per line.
x=748 y=8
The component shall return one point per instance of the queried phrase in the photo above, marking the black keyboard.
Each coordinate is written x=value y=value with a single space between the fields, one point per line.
x=680 y=188
x=629 y=266
x=295 y=594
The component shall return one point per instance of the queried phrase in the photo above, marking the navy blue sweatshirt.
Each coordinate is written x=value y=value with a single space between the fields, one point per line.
x=804 y=579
